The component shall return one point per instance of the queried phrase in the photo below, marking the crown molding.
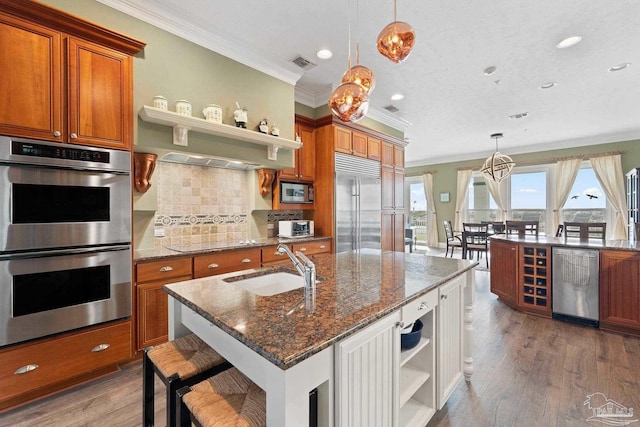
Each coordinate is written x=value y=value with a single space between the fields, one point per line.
x=154 y=14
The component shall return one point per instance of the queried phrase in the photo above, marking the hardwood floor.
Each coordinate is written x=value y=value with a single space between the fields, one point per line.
x=529 y=371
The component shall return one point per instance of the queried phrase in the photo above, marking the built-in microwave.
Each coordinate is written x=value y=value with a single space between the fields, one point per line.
x=296 y=192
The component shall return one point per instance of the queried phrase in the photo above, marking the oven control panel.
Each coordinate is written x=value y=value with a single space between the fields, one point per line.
x=56 y=152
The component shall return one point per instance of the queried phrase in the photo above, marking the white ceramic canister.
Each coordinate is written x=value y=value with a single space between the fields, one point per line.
x=160 y=102
x=183 y=107
x=213 y=113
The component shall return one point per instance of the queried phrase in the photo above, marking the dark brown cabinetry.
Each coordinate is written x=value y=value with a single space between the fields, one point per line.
x=392 y=197
x=504 y=270
x=225 y=262
x=73 y=86
x=620 y=291
x=152 y=311
x=350 y=142
x=534 y=284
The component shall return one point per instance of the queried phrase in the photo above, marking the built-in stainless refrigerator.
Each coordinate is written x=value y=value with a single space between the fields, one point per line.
x=357 y=203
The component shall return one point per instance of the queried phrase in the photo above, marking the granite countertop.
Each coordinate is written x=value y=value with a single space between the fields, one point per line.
x=354 y=290
x=140 y=255
x=626 y=245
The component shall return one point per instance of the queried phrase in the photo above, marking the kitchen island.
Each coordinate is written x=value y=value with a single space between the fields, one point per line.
x=290 y=345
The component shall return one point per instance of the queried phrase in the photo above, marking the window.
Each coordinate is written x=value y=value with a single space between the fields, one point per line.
x=587 y=201
x=480 y=204
x=528 y=197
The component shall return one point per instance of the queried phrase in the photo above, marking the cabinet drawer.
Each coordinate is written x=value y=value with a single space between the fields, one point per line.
x=311 y=248
x=270 y=254
x=164 y=269
x=225 y=262
x=419 y=307
x=60 y=359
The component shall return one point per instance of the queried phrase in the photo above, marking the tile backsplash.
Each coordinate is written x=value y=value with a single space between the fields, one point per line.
x=200 y=204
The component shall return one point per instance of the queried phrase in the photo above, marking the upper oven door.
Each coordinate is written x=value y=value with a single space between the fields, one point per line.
x=47 y=207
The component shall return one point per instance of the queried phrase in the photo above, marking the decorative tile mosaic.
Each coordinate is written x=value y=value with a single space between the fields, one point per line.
x=275 y=216
x=200 y=205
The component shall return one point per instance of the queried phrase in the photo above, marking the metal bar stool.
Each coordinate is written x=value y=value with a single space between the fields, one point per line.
x=184 y=361
x=229 y=398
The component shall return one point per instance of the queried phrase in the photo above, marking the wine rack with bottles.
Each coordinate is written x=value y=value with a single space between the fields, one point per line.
x=535 y=278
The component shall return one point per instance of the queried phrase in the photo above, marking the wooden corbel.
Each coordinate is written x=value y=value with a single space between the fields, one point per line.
x=143 y=166
x=265 y=180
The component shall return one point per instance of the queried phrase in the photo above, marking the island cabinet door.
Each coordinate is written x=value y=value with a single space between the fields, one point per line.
x=449 y=337
x=504 y=270
x=620 y=291
x=367 y=376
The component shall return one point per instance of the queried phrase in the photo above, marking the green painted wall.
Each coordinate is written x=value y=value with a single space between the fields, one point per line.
x=444 y=180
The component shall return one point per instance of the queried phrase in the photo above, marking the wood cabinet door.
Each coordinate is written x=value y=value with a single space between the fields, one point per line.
x=387 y=183
x=504 y=270
x=342 y=140
x=398 y=157
x=620 y=289
x=306 y=156
x=398 y=189
x=359 y=144
x=449 y=336
x=30 y=80
x=100 y=96
x=374 y=147
x=398 y=232
x=387 y=230
x=386 y=155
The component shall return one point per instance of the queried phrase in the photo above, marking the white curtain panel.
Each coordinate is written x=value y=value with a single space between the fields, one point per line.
x=609 y=173
x=464 y=176
x=497 y=190
x=566 y=173
x=432 y=228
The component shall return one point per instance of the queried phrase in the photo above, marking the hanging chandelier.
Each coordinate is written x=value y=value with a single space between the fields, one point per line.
x=498 y=166
x=359 y=73
x=396 y=40
x=350 y=100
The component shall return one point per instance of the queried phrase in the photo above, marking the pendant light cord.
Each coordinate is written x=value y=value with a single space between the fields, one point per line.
x=394 y=11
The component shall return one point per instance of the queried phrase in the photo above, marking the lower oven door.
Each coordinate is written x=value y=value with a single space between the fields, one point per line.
x=51 y=292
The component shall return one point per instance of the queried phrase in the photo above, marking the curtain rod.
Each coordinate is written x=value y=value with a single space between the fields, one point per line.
x=422 y=173
x=553 y=160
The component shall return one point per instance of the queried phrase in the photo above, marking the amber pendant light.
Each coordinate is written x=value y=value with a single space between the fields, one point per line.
x=498 y=166
x=350 y=100
x=396 y=40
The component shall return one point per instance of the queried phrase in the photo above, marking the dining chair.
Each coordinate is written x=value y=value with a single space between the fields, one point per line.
x=408 y=238
x=453 y=240
x=475 y=242
x=637 y=230
x=495 y=227
x=522 y=228
x=585 y=230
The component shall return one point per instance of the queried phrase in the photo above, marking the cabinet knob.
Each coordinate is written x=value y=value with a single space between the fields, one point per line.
x=166 y=268
x=56 y=133
x=213 y=265
x=246 y=260
x=25 y=369
x=73 y=136
x=322 y=246
x=100 y=347
x=276 y=253
x=443 y=296
x=423 y=305
x=400 y=324
x=303 y=249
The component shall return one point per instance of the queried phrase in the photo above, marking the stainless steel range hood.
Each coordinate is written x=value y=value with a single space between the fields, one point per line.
x=208 y=161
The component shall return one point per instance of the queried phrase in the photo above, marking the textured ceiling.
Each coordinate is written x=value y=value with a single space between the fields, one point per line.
x=450 y=107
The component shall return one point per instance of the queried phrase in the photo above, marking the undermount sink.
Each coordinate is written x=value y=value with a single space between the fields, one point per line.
x=270 y=284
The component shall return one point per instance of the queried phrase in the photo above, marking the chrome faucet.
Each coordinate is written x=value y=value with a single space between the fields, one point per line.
x=306 y=268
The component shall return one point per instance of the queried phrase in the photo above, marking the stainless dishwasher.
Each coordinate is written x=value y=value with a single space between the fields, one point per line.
x=575 y=285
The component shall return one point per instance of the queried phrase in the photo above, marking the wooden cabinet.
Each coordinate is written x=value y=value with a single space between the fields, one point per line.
x=374 y=147
x=418 y=364
x=304 y=158
x=620 y=291
x=313 y=247
x=270 y=256
x=350 y=142
x=63 y=87
x=152 y=314
x=534 y=274
x=450 y=338
x=225 y=262
x=504 y=270
x=393 y=224
x=38 y=368
x=367 y=375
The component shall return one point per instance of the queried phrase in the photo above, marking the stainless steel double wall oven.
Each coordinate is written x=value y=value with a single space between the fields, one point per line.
x=65 y=237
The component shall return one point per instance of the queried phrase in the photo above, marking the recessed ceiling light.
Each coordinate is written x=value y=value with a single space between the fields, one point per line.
x=569 y=41
x=548 y=85
x=324 y=54
x=397 y=96
x=489 y=70
x=620 y=66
